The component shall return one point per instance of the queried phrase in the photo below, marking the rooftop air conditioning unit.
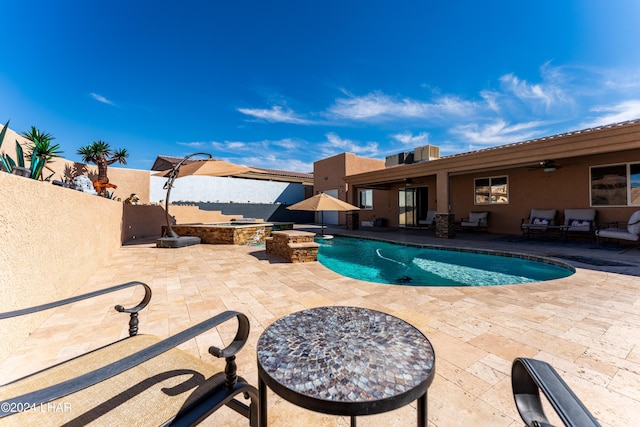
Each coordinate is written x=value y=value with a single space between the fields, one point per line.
x=408 y=157
x=426 y=152
x=394 y=159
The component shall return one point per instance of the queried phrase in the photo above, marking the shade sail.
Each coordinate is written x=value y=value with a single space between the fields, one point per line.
x=211 y=168
x=322 y=202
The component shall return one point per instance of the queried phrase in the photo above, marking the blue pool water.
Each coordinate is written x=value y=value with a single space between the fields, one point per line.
x=382 y=262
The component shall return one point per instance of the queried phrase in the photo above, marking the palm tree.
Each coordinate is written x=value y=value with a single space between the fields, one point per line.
x=40 y=151
x=101 y=154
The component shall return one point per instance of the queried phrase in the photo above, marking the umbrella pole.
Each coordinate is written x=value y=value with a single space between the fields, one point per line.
x=322 y=223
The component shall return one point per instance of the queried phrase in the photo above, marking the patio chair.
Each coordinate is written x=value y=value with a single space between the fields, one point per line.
x=612 y=230
x=475 y=221
x=430 y=220
x=529 y=379
x=539 y=221
x=580 y=221
x=138 y=380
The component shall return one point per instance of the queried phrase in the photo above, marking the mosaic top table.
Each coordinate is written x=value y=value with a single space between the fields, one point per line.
x=346 y=361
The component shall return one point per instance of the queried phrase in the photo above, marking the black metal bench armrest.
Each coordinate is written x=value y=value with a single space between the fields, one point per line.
x=133 y=311
x=528 y=377
x=610 y=224
x=66 y=388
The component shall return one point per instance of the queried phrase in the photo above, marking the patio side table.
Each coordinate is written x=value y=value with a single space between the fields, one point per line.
x=345 y=361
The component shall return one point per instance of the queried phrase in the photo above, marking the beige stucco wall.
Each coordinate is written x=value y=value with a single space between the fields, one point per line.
x=328 y=174
x=53 y=239
x=146 y=221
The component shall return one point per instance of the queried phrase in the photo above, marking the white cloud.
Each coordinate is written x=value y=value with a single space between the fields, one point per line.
x=551 y=92
x=621 y=112
x=288 y=143
x=411 y=140
x=193 y=144
x=499 y=132
x=336 y=145
x=101 y=99
x=281 y=163
x=377 y=105
x=275 y=114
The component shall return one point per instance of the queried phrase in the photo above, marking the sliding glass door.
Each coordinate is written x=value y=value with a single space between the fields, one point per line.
x=413 y=204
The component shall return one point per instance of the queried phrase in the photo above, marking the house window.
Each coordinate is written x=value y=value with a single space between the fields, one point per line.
x=493 y=190
x=365 y=199
x=615 y=185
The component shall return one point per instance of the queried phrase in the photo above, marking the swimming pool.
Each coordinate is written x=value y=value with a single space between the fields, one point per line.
x=390 y=263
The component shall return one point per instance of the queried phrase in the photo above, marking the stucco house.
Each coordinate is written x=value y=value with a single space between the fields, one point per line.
x=596 y=168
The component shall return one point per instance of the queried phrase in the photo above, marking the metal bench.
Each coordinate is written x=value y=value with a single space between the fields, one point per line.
x=139 y=380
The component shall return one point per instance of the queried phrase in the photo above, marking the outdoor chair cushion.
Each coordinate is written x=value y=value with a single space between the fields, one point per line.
x=476 y=219
x=429 y=220
x=633 y=226
x=148 y=394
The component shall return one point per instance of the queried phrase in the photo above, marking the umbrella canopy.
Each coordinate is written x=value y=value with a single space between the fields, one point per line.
x=320 y=203
x=210 y=167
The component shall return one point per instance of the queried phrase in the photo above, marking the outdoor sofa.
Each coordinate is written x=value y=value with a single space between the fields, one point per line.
x=141 y=380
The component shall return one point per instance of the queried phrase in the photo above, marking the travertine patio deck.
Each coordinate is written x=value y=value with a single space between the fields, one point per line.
x=587 y=325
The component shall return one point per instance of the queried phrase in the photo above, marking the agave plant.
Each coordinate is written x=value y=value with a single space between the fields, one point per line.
x=7 y=162
x=40 y=152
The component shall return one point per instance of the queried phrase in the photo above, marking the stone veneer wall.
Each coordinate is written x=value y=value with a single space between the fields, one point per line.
x=221 y=235
x=445 y=225
x=53 y=240
x=293 y=246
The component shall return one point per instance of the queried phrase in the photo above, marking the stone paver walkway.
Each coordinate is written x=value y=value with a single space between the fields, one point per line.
x=587 y=325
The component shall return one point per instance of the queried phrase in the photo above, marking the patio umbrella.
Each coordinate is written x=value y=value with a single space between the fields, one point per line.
x=322 y=202
x=210 y=167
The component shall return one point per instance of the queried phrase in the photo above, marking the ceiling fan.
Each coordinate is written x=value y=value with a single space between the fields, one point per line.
x=546 y=166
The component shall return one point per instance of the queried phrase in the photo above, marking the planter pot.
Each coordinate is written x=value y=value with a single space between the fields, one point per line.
x=20 y=171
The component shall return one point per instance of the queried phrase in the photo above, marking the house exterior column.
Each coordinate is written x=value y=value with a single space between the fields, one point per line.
x=445 y=221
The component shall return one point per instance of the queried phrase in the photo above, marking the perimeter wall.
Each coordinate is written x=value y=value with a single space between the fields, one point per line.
x=53 y=240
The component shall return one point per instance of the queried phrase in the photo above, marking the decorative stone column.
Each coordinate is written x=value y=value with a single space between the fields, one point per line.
x=445 y=225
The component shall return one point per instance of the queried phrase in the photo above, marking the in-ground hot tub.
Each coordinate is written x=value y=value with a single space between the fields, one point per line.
x=226 y=233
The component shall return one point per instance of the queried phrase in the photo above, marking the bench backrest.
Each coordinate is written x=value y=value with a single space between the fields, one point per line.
x=580 y=219
x=633 y=226
x=479 y=217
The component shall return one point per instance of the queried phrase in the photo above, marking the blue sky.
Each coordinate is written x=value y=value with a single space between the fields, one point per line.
x=281 y=84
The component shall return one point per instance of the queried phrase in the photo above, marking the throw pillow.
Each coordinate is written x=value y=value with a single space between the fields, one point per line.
x=540 y=221
x=579 y=223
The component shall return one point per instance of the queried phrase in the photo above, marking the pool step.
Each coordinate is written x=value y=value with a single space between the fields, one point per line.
x=293 y=246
